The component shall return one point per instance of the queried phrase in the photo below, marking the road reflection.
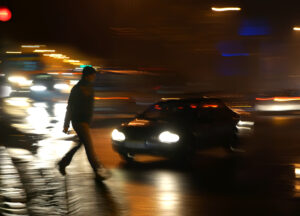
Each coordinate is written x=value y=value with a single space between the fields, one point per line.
x=43 y=118
x=157 y=193
x=155 y=187
x=297 y=180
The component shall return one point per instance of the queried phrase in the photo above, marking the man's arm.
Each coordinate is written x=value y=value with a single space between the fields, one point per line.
x=68 y=112
x=67 y=120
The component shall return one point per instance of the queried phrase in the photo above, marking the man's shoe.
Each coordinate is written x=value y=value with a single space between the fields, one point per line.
x=61 y=168
x=102 y=174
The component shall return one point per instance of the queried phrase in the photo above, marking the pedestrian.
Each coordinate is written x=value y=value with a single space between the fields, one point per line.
x=80 y=112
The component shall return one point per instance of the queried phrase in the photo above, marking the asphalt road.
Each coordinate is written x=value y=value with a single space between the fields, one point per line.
x=262 y=179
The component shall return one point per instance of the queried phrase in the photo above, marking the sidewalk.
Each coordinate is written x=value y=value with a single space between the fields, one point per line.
x=28 y=186
x=27 y=189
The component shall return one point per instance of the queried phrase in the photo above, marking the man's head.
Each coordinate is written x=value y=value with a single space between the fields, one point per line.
x=89 y=74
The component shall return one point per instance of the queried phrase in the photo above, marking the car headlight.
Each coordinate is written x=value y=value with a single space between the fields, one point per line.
x=61 y=86
x=22 y=81
x=38 y=88
x=168 y=137
x=118 y=136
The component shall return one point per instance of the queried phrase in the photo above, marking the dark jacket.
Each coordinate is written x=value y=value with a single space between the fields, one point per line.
x=80 y=103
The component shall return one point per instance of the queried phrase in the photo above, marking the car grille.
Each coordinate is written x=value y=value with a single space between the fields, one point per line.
x=137 y=134
x=135 y=144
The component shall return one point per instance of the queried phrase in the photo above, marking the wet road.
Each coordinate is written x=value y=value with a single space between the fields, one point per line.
x=262 y=180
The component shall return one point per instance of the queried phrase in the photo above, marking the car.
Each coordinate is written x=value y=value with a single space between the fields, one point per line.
x=46 y=86
x=177 y=129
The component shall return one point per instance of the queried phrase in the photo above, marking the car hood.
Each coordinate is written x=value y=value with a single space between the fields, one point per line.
x=141 y=128
x=145 y=123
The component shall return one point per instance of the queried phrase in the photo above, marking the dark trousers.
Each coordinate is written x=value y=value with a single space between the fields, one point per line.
x=82 y=130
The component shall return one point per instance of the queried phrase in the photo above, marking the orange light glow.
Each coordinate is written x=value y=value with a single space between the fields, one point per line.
x=138 y=122
x=264 y=99
x=283 y=99
x=210 y=106
x=279 y=99
x=111 y=98
x=296 y=28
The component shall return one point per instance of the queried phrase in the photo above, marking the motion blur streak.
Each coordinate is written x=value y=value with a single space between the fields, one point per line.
x=279 y=99
x=21 y=102
x=111 y=98
x=297 y=170
x=13 y=52
x=226 y=9
x=283 y=107
x=43 y=51
x=245 y=123
x=284 y=99
x=264 y=99
x=31 y=46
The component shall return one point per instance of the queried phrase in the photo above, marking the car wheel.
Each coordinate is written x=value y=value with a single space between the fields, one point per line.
x=231 y=143
x=128 y=157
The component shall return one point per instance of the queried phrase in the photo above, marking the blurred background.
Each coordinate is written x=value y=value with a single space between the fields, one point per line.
x=254 y=49
x=245 y=52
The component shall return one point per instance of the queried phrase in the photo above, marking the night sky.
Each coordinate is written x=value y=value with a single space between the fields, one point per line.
x=182 y=35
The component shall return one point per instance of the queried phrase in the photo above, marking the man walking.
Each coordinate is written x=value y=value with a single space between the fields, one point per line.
x=80 y=112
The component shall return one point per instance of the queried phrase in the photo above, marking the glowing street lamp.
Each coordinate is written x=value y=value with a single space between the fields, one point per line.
x=224 y=9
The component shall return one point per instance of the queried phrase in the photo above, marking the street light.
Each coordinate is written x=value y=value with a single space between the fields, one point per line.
x=223 y=9
x=5 y=14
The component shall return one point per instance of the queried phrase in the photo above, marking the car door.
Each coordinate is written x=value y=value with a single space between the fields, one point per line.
x=224 y=123
x=204 y=128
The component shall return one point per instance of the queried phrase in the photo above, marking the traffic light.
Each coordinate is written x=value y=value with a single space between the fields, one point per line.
x=5 y=14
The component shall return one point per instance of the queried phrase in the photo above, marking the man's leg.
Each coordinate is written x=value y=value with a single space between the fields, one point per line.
x=83 y=132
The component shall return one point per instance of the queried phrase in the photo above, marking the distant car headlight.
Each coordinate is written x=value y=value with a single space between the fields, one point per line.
x=61 y=86
x=22 y=81
x=118 y=136
x=168 y=137
x=38 y=88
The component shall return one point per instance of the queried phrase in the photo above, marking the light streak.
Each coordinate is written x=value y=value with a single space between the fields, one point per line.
x=296 y=28
x=226 y=9
x=43 y=51
x=111 y=98
x=13 y=52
